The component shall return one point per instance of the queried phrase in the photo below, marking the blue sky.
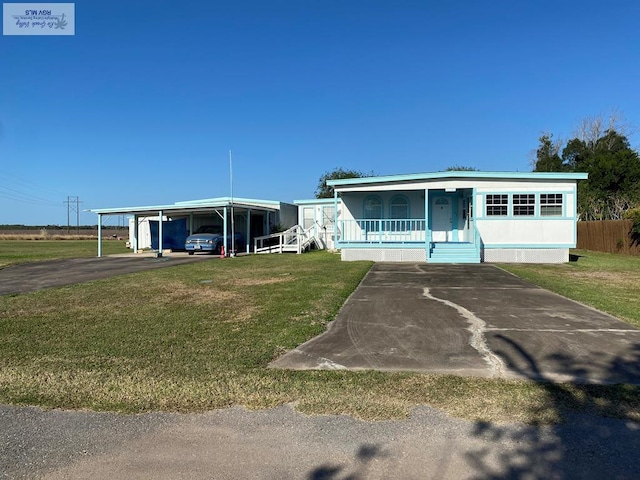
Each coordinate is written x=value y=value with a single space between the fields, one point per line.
x=143 y=104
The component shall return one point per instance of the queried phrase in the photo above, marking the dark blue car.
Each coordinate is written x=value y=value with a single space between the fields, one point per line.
x=209 y=238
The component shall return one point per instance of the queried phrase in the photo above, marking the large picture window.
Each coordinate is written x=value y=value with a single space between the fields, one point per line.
x=497 y=205
x=524 y=204
x=372 y=213
x=398 y=210
x=550 y=204
x=372 y=208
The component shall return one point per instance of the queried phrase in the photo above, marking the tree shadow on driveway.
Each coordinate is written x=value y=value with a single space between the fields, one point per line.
x=598 y=434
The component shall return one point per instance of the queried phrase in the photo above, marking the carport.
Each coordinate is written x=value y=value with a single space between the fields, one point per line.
x=253 y=217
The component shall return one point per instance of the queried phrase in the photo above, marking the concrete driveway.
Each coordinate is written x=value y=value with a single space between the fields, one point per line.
x=470 y=320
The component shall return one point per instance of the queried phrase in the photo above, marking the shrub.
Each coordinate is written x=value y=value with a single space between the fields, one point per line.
x=633 y=214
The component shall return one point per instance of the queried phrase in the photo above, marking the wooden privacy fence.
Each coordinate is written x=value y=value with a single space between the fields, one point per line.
x=612 y=236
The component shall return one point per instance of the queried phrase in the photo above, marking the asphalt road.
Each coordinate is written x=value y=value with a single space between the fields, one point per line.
x=31 y=277
x=282 y=444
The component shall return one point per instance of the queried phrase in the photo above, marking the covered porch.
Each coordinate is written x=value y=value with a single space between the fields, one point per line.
x=438 y=222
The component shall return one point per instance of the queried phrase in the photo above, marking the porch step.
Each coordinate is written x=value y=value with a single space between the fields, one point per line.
x=453 y=252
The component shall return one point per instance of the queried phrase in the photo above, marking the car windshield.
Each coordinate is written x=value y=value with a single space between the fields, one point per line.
x=216 y=230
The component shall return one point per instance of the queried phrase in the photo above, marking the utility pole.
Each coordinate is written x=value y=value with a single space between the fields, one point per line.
x=73 y=205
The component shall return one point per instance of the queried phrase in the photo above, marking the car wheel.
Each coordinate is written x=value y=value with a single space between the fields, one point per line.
x=191 y=253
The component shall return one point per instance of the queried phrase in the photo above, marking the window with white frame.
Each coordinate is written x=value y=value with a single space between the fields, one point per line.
x=307 y=217
x=524 y=204
x=551 y=204
x=496 y=205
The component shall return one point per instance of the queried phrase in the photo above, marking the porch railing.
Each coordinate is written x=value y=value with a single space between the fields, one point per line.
x=407 y=230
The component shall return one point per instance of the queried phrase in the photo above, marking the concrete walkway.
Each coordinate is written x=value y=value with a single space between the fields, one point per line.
x=470 y=320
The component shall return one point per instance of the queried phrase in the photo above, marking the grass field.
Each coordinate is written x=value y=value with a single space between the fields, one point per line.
x=198 y=337
x=19 y=251
x=606 y=281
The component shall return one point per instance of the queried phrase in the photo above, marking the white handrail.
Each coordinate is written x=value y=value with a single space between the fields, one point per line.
x=294 y=237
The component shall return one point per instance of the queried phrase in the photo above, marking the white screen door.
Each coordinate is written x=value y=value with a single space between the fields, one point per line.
x=441 y=220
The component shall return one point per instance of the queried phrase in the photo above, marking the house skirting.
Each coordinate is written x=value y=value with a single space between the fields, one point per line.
x=385 y=254
x=489 y=255
x=525 y=255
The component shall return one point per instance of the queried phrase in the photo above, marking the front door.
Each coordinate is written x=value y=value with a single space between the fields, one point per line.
x=441 y=219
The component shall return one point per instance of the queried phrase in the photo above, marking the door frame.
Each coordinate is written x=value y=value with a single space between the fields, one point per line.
x=454 y=201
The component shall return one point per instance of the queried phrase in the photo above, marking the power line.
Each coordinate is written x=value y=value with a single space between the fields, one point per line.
x=17 y=196
x=70 y=201
x=25 y=185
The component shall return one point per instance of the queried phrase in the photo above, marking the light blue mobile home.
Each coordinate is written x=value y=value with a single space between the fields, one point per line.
x=457 y=217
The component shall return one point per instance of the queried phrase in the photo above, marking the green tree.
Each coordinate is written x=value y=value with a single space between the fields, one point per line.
x=547 y=155
x=325 y=191
x=613 y=166
x=460 y=168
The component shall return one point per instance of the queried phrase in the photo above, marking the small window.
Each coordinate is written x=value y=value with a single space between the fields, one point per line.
x=497 y=205
x=307 y=217
x=551 y=204
x=524 y=204
x=328 y=215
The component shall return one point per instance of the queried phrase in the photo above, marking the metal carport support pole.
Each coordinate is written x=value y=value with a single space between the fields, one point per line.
x=136 y=234
x=99 y=235
x=160 y=233
x=248 y=236
x=224 y=229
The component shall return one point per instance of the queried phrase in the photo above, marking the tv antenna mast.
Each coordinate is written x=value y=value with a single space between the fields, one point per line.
x=233 y=230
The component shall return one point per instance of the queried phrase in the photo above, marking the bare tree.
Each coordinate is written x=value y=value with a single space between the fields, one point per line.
x=593 y=130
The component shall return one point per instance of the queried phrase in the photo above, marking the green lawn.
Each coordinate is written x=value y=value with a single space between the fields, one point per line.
x=606 y=281
x=198 y=337
x=20 y=251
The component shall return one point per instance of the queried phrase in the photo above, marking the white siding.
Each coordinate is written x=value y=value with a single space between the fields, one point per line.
x=526 y=232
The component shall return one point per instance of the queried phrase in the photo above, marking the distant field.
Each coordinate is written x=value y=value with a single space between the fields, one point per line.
x=35 y=250
x=59 y=233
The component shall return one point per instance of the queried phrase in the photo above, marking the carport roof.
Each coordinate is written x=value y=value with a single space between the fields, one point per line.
x=193 y=206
